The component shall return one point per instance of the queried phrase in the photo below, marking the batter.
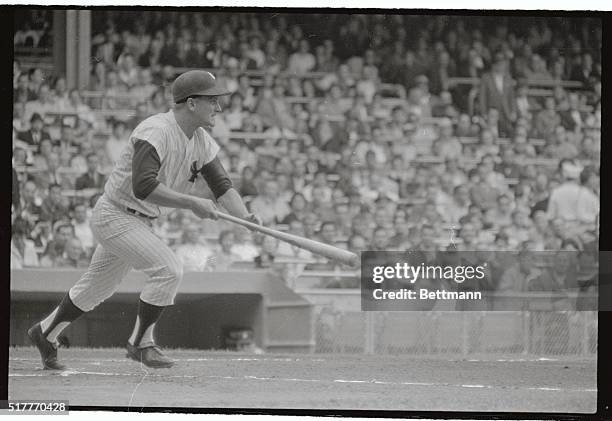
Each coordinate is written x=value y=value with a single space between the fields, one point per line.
x=155 y=174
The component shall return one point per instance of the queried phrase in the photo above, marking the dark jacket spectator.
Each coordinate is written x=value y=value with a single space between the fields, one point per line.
x=36 y=133
x=92 y=178
x=497 y=91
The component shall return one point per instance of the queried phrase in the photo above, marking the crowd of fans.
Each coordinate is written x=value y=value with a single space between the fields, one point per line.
x=350 y=129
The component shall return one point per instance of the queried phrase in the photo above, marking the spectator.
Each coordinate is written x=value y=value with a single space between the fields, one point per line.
x=298 y=207
x=193 y=252
x=43 y=104
x=60 y=92
x=36 y=134
x=302 y=61
x=269 y=206
x=547 y=119
x=268 y=253
x=55 y=206
x=82 y=230
x=447 y=146
x=244 y=246
x=571 y=202
x=56 y=248
x=458 y=207
x=559 y=146
x=93 y=178
x=73 y=255
x=224 y=256
x=497 y=91
x=23 y=252
x=117 y=142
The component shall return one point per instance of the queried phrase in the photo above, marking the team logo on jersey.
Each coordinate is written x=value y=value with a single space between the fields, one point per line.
x=194 y=171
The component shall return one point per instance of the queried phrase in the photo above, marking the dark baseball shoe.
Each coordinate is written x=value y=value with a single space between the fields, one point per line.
x=48 y=351
x=150 y=355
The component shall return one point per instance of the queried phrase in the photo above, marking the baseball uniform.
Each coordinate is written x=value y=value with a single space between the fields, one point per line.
x=122 y=223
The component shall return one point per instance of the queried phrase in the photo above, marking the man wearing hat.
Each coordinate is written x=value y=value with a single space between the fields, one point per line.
x=36 y=134
x=155 y=175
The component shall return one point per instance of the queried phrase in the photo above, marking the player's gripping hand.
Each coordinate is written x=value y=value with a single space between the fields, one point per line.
x=204 y=208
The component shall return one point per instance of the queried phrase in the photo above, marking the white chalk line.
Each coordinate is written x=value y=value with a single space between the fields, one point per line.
x=379 y=382
x=124 y=360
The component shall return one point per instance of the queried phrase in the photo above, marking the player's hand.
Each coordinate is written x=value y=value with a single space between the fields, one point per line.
x=204 y=208
x=251 y=217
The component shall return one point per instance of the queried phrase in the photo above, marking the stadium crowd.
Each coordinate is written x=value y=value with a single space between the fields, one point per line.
x=370 y=132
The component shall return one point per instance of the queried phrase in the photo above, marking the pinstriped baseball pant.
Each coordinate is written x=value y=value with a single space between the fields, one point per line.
x=125 y=242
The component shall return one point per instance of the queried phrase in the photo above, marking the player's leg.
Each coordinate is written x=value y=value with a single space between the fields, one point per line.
x=133 y=239
x=105 y=272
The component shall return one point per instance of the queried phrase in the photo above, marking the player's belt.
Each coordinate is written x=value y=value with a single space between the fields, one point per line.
x=135 y=212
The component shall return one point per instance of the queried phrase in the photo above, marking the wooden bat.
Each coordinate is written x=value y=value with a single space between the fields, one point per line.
x=313 y=246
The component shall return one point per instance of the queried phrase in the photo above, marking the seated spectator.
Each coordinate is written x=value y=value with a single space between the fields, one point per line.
x=381 y=240
x=298 y=207
x=60 y=93
x=37 y=78
x=447 y=146
x=93 y=178
x=82 y=230
x=68 y=140
x=235 y=114
x=193 y=252
x=302 y=61
x=43 y=105
x=502 y=213
x=81 y=109
x=559 y=146
x=23 y=252
x=285 y=249
x=224 y=256
x=458 y=206
x=56 y=248
x=21 y=93
x=144 y=87
x=73 y=256
x=114 y=92
x=128 y=71
x=243 y=245
x=36 y=134
x=268 y=252
x=269 y=206
x=31 y=202
x=55 y=206
x=117 y=142
x=572 y=202
x=547 y=119
x=247 y=184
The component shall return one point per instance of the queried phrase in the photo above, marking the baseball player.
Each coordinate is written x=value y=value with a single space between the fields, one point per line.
x=154 y=175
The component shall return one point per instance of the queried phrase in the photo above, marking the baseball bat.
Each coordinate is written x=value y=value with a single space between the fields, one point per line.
x=313 y=246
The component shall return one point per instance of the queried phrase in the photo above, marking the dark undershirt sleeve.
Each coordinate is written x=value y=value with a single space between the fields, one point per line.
x=216 y=177
x=145 y=167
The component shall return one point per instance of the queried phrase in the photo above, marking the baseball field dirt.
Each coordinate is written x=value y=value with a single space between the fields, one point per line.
x=212 y=379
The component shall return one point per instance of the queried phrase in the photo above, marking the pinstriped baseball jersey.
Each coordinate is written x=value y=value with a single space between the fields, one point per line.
x=177 y=155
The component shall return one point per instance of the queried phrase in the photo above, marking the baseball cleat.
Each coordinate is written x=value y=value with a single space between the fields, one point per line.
x=149 y=355
x=48 y=351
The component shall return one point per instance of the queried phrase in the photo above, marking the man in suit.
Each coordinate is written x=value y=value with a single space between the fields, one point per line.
x=497 y=91
x=92 y=178
x=36 y=133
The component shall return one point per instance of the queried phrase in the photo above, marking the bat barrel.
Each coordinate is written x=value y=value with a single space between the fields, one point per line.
x=313 y=246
